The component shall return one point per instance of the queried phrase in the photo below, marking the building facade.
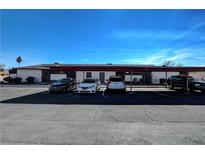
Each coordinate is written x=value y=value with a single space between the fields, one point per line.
x=3 y=74
x=138 y=74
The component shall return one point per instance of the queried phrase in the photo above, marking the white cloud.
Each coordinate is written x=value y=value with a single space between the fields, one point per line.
x=85 y=60
x=143 y=34
x=159 y=35
x=185 y=56
x=155 y=58
x=202 y=38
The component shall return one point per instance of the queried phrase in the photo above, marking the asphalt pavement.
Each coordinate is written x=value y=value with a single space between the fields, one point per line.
x=30 y=115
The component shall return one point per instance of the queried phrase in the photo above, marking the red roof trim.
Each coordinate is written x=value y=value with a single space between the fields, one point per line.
x=126 y=68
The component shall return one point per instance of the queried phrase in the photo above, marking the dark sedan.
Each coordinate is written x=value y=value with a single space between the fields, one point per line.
x=63 y=85
x=180 y=82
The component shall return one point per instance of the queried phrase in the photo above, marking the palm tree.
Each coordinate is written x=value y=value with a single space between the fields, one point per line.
x=168 y=63
x=19 y=60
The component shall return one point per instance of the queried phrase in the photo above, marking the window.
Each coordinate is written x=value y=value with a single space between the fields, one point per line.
x=88 y=75
x=89 y=81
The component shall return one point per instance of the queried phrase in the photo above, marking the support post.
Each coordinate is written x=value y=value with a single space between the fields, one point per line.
x=131 y=81
x=166 y=80
x=187 y=81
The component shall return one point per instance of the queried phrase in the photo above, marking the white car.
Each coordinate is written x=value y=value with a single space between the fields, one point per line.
x=116 y=83
x=88 y=86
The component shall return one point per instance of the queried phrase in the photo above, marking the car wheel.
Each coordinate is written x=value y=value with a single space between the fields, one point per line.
x=203 y=91
x=70 y=89
x=172 y=87
x=191 y=90
x=124 y=90
x=64 y=90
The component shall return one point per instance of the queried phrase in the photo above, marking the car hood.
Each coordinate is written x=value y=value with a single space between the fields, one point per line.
x=199 y=82
x=87 y=84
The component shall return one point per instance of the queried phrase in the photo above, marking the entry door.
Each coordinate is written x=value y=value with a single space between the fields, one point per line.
x=102 y=77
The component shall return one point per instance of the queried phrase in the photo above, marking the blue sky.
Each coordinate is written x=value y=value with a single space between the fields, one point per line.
x=103 y=36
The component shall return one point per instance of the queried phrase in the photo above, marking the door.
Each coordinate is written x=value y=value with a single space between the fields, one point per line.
x=102 y=77
x=71 y=74
x=122 y=74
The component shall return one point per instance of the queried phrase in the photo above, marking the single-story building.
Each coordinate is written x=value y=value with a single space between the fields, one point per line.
x=3 y=74
x=142 y=74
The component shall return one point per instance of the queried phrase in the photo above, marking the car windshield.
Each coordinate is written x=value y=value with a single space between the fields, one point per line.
x=65 y=80
x=116 y=79
x=183 y=78
x=88 y=81
x=62 y=81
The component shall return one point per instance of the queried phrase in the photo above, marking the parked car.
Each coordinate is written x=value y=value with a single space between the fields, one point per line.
x=116 y=83
x=63 y=85
x=88 y=86
x=179 y=82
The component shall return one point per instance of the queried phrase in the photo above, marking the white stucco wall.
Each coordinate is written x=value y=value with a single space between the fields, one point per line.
x=79 y=76
x=57 y=76
x=12 y=75
x=95 y=75
x=128 y=77
x=198 y=75
x=108 y=74
x=24 y=73
x=156 y=76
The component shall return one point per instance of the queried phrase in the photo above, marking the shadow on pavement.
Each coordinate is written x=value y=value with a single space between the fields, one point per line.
x=100 y=98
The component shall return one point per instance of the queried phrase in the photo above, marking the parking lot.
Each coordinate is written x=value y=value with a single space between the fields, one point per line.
x=30 y=115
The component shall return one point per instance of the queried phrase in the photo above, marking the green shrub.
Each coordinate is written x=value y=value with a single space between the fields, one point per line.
x=30 y=79
x=17 y=80
x=8 y=79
